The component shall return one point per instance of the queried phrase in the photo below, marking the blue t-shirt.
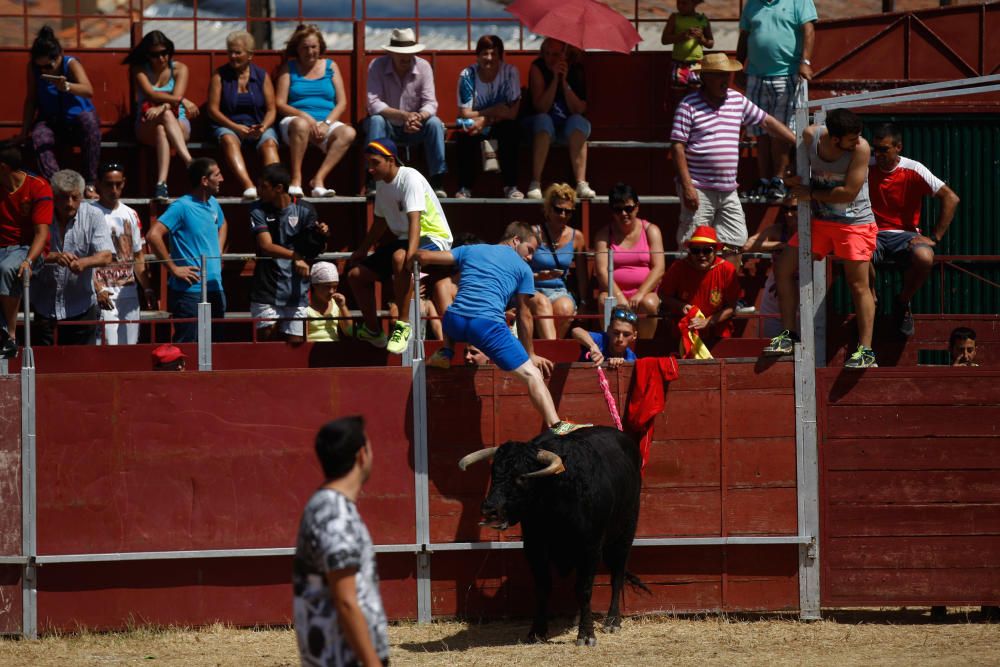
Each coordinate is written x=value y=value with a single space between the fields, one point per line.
x=601 y=339
x=491 y=275
x=774 y=46
x=194 y=231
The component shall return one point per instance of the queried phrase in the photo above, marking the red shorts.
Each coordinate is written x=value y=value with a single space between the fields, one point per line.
x=856 y=242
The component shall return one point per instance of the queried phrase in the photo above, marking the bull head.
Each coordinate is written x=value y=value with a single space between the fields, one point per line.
x=476 y=457
x=553 y=463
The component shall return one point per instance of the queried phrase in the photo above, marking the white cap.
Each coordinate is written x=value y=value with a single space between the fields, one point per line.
x=324 y=272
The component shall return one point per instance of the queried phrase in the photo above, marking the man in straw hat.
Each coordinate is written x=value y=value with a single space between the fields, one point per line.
x=402 y=105
x=706 y=136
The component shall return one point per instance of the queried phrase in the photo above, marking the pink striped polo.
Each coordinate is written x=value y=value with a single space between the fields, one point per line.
x=711 y=136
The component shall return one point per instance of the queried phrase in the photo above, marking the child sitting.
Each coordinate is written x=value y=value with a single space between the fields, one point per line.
x=323 y=295
x=611 y=345
x=688 y=31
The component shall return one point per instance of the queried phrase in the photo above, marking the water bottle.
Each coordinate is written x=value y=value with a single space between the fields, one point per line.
x=466 y=123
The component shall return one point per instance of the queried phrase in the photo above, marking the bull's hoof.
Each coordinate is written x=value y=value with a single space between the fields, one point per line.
x=612 y=628
x=586 y=641
x=537 y=637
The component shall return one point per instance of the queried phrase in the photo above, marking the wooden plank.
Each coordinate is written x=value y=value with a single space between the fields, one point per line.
x=760 y=462
x=912 y=454
x=760 y=413
x=913 y=486
x=958 y=552
x=682 y=463
x=460 y=423
x=761 y=512
x=677 y=512
x=925 y=387
x=762 y=577
x=860 y=421
x=954 y=586
x=746 y=375
x=690 y=415
x=864 y=519
x=10 y=468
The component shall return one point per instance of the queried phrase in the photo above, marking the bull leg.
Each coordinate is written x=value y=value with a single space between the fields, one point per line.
x=542 y=574
x=615 y=557
x=584 y=589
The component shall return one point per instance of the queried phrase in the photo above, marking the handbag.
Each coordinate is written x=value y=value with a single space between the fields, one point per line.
x=490 y=162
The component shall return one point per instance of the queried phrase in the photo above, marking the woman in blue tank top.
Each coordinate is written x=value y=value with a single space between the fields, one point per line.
x=58 y=109
x=310 y=95
x=163 y=114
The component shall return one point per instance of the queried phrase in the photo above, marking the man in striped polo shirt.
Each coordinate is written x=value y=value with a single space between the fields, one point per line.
x=706 y=136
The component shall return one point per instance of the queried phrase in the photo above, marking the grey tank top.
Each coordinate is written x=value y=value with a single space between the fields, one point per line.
x=829 y=175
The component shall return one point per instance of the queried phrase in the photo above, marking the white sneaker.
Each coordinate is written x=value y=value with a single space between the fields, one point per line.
x=463 y=193
x=513 y=193
x=296 y=191
x=250 y=193
x=320 y=191
x=534 y=190
x=584 y=191
x=440 y=193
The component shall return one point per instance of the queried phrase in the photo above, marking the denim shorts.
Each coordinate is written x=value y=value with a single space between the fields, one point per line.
x=268 y=135
x=895 y=246
x=558 y=130
x=554 y=293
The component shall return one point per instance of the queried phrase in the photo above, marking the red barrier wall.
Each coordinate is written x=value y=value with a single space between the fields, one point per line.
x=10 y=502
x=910 y=487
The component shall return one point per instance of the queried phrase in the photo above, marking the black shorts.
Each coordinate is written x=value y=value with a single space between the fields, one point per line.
x=380 y=261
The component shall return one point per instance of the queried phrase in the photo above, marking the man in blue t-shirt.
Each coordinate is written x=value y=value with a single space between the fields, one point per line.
x=490 y=276
x=197 y=229
x=611 y=345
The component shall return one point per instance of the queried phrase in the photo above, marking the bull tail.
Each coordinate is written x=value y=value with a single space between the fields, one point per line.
x=636 y=583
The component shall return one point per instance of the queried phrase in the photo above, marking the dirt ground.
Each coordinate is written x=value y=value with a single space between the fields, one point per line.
x=856 y=637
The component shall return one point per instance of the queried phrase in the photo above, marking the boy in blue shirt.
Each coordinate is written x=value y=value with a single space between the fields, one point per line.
x=490 y=276
x=611 y=345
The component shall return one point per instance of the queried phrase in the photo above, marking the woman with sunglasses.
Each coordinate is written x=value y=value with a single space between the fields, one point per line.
x=638 y=258
x=163 y=116
x=58 y=108
x=558 y=245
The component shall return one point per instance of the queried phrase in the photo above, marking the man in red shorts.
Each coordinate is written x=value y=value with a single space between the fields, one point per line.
x=25 y=217
x=843 y=225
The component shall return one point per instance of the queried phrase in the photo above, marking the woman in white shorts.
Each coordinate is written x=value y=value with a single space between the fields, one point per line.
x=310 y=95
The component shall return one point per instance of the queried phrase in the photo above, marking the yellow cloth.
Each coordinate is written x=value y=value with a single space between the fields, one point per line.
x=689 y=50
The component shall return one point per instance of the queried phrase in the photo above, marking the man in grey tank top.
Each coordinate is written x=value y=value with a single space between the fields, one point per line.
x=843 y=225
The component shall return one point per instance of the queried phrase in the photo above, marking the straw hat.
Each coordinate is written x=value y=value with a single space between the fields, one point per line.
x=717 y=62
x=403 y=40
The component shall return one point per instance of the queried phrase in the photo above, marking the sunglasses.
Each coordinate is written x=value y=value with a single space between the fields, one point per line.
x=624 y=315
x=110 y=166
x=627 y=210
x=158 y=54
x=701 y=250
x=564 y=212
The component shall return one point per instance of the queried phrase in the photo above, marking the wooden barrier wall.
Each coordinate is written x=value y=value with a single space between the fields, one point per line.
x=10 y=502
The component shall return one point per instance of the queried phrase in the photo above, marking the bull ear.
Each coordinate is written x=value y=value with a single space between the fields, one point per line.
x=554 y=465
x=476 y=457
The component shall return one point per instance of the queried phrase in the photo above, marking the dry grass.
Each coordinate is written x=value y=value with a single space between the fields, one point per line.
x=860 y=637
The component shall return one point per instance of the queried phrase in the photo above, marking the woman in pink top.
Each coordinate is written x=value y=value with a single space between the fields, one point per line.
x=639 y=263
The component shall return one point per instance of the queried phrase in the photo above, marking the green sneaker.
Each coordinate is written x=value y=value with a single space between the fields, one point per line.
x=399 y=338
x=863 y=357
x=441 y=359
x=780 y=345
x=376 y=338
x=564 y=427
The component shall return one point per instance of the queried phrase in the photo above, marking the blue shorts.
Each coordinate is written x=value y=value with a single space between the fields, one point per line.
x=558 y=129
x=895 y=246
x=554 y=293
x=493 y=338
x=380 y=261
x=268 y=135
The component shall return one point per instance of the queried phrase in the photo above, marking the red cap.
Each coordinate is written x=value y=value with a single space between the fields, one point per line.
x=166 y=354
x=704 y=235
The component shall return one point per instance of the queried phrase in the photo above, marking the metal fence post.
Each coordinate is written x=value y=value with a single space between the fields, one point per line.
x=807 y=461
x=29 y=541
x=421 y=491
x=610 y=301
x=204 y=322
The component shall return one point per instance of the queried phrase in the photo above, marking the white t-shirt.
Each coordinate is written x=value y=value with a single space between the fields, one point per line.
x=126 y=237
x=410 y=191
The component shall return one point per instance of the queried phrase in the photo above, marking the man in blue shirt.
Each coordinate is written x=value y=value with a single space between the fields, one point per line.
x=197 y=228
x=611 y=345
x=490 y=276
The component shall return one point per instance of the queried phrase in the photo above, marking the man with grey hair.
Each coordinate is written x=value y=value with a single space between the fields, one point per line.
x=64 y=287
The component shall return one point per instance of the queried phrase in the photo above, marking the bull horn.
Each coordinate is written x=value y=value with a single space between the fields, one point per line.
x=476 y=457
x=554 y=465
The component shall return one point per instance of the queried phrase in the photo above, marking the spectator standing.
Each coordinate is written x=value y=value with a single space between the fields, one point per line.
x=612 y=345
x=327 y=312
x=776 y=44
x=311 y=97
x=773 y=239
x=163 y=114
x=406 y=205
x=402 y=103
x=489 y=98
x=197 y=228
x=898 y=186
x=25 y=219
x=491 y=276
x=962 y=347
x=690 y=32
x=558 y=92
x=58 y=108
x=842 y=225
x=558 y=251
x=64 y=287
x=115 y=284
x=242 y=108
x=706 y=150
x=339 y=618
x=639 y=261
x=281 y=223
x=705 y=281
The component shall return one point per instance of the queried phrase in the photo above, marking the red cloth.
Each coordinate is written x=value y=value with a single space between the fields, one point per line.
x=898 y=196
x=648 y=396
x=21 y=210
x=709 y=290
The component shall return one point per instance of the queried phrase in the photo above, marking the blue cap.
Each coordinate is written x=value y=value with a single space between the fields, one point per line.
x=384 y=148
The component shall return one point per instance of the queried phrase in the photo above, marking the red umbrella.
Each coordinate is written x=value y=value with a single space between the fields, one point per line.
x=586 y=24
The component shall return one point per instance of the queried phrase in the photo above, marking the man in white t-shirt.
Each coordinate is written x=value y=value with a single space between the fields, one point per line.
x=406 y=205
x=115 y=284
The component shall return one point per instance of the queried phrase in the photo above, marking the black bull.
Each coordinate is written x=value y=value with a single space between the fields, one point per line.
x=577 y=499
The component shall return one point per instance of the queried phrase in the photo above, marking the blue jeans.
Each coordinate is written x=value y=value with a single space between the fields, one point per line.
x=185 y=304
x=558 y=132
x=431 y=134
